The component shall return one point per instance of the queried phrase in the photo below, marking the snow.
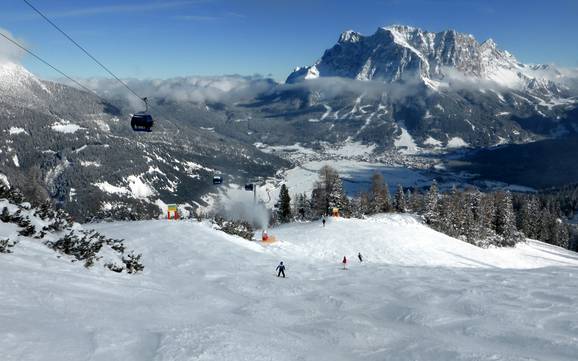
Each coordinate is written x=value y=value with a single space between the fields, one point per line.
x=81 y=149
x=432 y=141
x=192 y=166
x=312 y=73
x=87 y=163
x=65 y=127
x=138 y=188
x=405 y=142
x=17 y=130
x=205 y=295
x=457 y=142
x=4 y=180
x=109 y=188
x=15 y=160
x=350 y=149
x=327 y=111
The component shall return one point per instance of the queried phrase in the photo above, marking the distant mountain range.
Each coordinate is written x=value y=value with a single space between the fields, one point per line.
x=401 y=88
x=446 y=85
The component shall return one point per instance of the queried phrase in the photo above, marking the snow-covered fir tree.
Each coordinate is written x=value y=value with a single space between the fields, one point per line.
x=337 y=197
x=399 y=200
x=505 y=221
x=302 y=207
x=284 y=205
x=431 y=212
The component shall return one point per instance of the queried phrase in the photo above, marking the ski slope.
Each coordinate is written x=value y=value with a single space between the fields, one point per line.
x=205 y=295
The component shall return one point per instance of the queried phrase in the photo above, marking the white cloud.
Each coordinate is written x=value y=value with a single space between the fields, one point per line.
x=8 y=51
x=197 y=89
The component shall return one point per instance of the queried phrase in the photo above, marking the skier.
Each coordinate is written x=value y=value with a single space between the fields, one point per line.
x=360 y=257
x=344 y=262
x=281 y=270
x=323 y=221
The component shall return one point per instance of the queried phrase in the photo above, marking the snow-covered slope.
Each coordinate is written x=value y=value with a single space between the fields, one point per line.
x=205 y=295
x=396 y=239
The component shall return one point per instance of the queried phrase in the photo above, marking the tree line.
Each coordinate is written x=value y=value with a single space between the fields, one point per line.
x=484 y=219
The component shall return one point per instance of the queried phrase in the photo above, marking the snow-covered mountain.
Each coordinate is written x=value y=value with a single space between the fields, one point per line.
x=398 y=52
x=400 y=90
x=64 y=144
x=437 y=89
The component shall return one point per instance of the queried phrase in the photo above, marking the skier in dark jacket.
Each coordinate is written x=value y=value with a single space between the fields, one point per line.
x=323 y=221
x=280 y=270
x=360 y=257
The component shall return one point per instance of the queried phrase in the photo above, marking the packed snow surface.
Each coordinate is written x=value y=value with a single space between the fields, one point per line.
x=205 y=295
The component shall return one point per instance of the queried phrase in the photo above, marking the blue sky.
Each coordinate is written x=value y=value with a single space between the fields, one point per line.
x=161 y=39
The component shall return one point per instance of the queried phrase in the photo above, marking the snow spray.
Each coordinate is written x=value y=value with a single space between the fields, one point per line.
x=238 y=204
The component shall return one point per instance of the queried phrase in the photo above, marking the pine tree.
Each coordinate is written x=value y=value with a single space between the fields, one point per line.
x=329 y=193
x=505 y=221
x=399 y=201
x=337 y=197
x=417 y=199
x=318 y=202
x=431 y=213
x=302 y=207
x=379 y=195
x=363 y=204
x=284 y=205
x=409 y=201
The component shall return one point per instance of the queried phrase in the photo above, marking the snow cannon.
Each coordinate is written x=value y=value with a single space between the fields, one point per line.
x=265 y=237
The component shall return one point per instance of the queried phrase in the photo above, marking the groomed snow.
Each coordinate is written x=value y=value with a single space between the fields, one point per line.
x=205 y=295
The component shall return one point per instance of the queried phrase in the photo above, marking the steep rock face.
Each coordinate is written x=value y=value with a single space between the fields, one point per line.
x=404 y=53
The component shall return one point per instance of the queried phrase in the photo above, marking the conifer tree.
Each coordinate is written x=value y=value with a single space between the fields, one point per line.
x=302 y=207
x=284 y=205
x=505 y=222
x=431 y=213
x=379 y=195
x=399 y=201
x=337 y=197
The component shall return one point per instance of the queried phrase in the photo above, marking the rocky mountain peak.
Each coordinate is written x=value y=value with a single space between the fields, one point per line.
x=399 y=52
x=349 y=36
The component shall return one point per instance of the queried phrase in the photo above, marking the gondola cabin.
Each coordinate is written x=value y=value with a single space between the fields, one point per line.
x=217 y=180
x=141 y=122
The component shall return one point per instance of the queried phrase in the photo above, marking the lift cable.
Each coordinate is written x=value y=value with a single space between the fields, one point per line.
x=50 y=65
x=85 y=51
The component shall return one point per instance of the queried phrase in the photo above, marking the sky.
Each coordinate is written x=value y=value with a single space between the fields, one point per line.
x=163 y=39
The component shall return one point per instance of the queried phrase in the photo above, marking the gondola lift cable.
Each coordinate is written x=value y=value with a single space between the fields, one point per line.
x=140 y=121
